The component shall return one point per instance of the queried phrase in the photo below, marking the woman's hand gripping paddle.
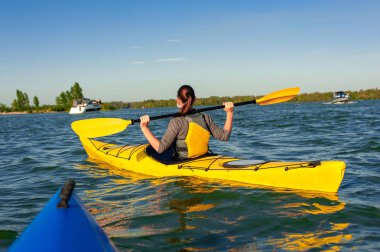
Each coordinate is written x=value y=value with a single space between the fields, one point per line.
x=99 y=127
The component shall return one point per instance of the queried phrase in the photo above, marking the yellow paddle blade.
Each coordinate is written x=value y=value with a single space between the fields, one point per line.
x=279 y=96
x=98 y=127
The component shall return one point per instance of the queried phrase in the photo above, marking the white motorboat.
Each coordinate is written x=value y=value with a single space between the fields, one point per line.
x=81 y=106
x=341 y=97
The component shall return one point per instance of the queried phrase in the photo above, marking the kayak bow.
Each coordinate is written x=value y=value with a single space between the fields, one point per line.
x=63 y=224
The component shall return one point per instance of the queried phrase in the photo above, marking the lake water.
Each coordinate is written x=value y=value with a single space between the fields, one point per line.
x=39 y=152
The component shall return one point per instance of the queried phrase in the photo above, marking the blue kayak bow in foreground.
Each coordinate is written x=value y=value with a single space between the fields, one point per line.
x=63 y=224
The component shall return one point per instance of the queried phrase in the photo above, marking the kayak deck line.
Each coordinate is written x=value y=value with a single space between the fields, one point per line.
x=320 y=175
x=107 y=148
x=309 y=165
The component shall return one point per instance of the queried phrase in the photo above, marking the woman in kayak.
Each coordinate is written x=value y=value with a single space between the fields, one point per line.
x=190 y=131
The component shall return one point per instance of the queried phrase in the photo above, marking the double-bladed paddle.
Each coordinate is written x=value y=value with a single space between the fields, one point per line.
x=98 y=127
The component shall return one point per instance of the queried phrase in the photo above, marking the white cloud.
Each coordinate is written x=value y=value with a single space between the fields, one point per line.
x=138 y=62
x=170 y=60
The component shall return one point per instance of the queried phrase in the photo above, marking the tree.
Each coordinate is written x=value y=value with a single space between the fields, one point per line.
x=36 y=102
x=4 y=108
x=65 y=98
x=76 y=91
x=21 y=103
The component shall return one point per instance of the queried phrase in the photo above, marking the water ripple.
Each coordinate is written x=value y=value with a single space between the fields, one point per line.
x=140 y=213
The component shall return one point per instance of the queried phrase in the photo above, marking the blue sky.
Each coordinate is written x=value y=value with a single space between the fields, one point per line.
x=133 y=50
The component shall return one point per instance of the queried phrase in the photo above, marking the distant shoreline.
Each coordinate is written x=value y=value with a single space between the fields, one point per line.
x=13 y=113
x=369 y=94
x=28 y=113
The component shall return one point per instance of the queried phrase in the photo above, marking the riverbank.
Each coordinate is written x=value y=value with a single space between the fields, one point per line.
x=25 y=112
x=13 y=113
x=369 y=94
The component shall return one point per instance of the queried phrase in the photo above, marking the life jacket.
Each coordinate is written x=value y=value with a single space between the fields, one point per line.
x=196 y=142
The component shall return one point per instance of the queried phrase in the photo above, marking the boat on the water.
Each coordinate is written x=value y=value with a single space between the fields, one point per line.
x=81 y=106
x=324 y=176
x=341 y=97
x=64 y=224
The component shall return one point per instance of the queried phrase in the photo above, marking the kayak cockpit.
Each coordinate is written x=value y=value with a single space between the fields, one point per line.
x=168 y=156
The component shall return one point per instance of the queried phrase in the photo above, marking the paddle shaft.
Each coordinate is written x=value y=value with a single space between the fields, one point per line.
x=99 y=127
x=196 y=111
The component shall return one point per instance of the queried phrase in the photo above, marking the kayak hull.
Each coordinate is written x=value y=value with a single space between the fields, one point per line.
x=325 y=176
x=63 y=229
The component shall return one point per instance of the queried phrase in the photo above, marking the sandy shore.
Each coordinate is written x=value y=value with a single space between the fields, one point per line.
x=34 y=112
x=13 y=113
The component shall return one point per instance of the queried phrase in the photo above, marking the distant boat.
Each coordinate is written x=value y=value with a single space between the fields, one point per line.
x=341 y=97
x=81 y=106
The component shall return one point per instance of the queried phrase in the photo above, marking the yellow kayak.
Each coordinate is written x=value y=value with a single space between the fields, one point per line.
x=325 y=176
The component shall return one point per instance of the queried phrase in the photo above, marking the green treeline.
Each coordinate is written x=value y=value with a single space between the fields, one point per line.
x=172 y=102
x=213 y=100
x=368 y=94
x=65 y=99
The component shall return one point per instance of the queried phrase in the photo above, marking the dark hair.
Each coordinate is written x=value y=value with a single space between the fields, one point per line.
x=187 y=95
